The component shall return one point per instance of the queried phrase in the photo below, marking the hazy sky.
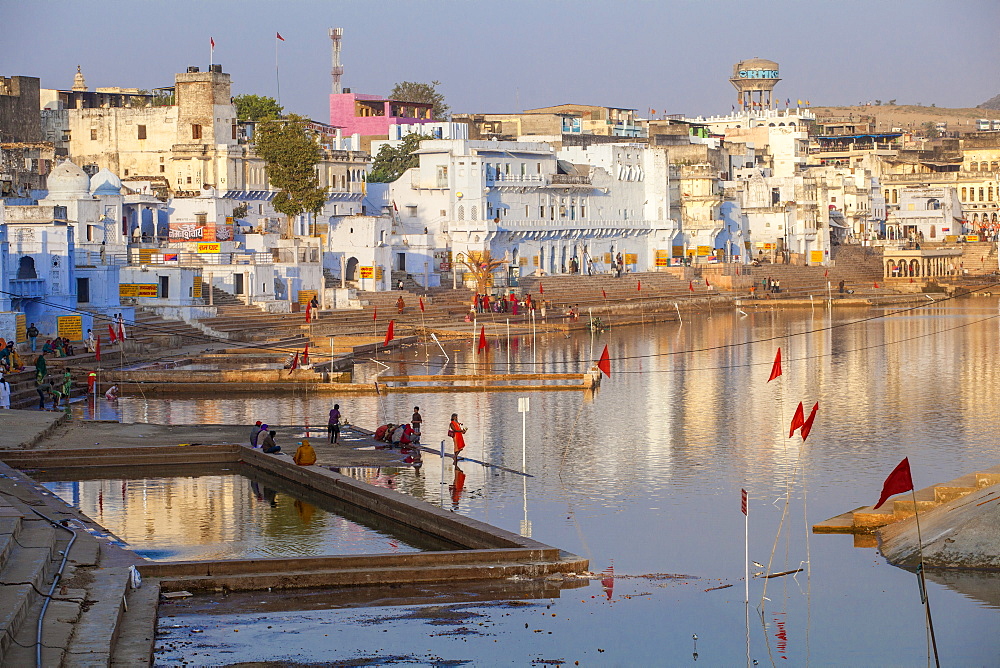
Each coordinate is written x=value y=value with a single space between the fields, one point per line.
x=502 y=56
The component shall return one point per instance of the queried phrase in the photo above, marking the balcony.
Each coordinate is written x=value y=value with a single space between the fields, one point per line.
x=27 y=288
x=513 y=179
x=569 y=179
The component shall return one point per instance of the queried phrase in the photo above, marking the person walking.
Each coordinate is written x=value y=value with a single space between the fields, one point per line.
x=400 y=305
x=457 y=433
x=33 y=336
x=333 y=425
x=4 y=392
x=67 y=384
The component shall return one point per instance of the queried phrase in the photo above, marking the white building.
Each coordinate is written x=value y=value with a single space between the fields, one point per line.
x=926 y=214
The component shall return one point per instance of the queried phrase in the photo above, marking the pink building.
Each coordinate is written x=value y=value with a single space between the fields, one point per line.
x=371 y=115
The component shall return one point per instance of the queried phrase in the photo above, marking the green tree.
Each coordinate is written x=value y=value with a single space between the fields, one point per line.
x=256 y=107
x=411 y=91
x=390 y=163
x=291 y=152
x=930 y=130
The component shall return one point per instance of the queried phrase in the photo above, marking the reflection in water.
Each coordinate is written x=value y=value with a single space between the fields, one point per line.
x=219 y=517
x=648 y=470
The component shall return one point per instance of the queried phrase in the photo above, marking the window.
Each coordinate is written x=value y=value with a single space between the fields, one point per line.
x=93 y=134
x=980 y=194
x=411 y=211
x=201 y=218
x=189 y=179
x=141 y=131
x=964 y=194
x=234 y=130
x=195 y=131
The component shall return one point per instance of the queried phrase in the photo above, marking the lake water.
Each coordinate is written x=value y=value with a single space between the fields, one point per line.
x=645 y=475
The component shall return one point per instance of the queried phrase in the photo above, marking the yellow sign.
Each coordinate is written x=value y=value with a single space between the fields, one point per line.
x=146 y=255
x=196 y=289
x=704 y=251
x=367 y=272
x=70 y=327
x=662 y=258
x=607 y=258
x=631 y=258
x=209 y=248
x=378 y=273
x=128 y=290
x=229 y=220
x=816 y=257
x=972 y=238
x=21 y=327
x=522 y=261
x=305 y=296
x=677 y=251
x=149 y=290
x=534 y=260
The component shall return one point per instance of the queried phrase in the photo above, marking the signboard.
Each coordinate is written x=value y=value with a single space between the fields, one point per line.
x=816 y=257
x=196 y=288
x=677 y=251
x=607 y=258
x=188 y=232
x=704 y=251
x=209 y=248
x=758 y=74
x=534 y=260
x=522 y=261
x=20 y=328
x=367 y=272
x=378 y=273
x=170 y=257
x=138 y=290
x=70 y=327
x=631 y=258
x=662 y=258
x=972 y=238
x=146 y=255
x=442 y=258
x=305 y=296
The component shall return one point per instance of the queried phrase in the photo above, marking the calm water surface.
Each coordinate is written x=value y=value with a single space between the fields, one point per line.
x=645 y=475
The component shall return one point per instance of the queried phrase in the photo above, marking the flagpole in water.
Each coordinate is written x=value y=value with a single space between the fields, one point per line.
x=746 y=567
x=922 y=581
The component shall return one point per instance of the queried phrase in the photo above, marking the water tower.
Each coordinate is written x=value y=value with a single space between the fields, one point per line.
x=754 y=80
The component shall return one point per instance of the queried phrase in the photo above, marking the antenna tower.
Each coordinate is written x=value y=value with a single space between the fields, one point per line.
x=337 y=70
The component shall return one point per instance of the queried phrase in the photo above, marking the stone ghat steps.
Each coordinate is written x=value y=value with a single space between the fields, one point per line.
x=867 y=519
x=563 y=291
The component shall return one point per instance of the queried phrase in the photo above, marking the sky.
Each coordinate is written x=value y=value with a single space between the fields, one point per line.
x=509 y=55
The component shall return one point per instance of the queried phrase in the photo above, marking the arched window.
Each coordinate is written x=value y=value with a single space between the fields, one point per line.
x=474 y=212
x=461 y=212
x=895 y=196
x=26 y=267
x=980 y=194
x=933 y=204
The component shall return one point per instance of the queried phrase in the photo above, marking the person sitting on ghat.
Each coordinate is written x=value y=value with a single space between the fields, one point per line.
x=255 y=433
x=112 y=393
x=269 y=445
x=305 y=455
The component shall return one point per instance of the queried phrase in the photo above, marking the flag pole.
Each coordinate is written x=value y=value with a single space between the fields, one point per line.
x=746 y=567
x=923 y=582
x=277 y=79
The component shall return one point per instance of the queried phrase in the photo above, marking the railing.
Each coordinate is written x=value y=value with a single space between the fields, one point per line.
x=492 y=178
x=205 y=259
x=27 y=287
x=569 y=179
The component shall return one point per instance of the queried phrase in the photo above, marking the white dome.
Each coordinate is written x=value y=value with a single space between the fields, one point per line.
x=68 y=179
x=105 y=182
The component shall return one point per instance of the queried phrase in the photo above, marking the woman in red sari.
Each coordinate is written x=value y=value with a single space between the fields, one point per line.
x=457 y=433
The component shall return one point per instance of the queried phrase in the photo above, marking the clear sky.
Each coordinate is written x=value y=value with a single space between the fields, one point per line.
x=508 y=55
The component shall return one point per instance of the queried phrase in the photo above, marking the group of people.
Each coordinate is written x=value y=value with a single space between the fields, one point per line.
x=59 y=346
x=10 y=360
x=401 y=435
x=483 y=303
x=262 y=436
x=52 y=387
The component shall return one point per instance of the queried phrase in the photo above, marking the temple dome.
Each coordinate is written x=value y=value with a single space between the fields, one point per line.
x=68 y=179
x=105 y=182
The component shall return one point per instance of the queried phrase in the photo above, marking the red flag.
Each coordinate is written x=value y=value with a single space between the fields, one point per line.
x=305 y=355
x=776 y=367
x=638 y=286
x=797 y=420
x=707 y=284
x=541 y=289
x=808 y=424
x=604 y=293
x=278 y=35
x=605 y=364
x=111 y=333
x=744 y=501
x=308 y=312
x=876 y=285
x=295 y=363
x=826 y=273
x=388 y=333
x=121 y=330
x=911 y=279
x=375 y=314
x=898 y=481
x=421 y=304
x=211 y=40
x=97 y=348
x=691 y=286
x=482 y=339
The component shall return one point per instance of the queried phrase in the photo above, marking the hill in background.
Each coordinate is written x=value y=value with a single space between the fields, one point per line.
x=992 y=103
x=911 y=117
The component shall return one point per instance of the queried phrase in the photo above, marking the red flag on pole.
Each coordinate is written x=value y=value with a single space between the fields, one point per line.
x=826 y=273
x=97 y=348
x=375 y=314
x=305 y=355
x=421 y=304
x=308 y=312
x=707 y=284
x=605 y=363
x=482 y=339
x=808 y=424
x=111 y=333
x=541 y=289
x=797 y=420
x=744 y=504
x=211 y=40
x=876 y=285
x=278 y=35
x=295 y=363
x=776 y=367
x=691 y=286
x=638 y=286
x=898 y=481
x=388 y=333
x=604 y=293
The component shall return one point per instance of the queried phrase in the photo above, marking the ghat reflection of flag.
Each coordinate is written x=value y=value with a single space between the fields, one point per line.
x=691 y=286
x=604 y=293
x=421 y=304
x=305 y=355
x=608 y=581
x=482 y=339
x=776 y=367
x=898 y=481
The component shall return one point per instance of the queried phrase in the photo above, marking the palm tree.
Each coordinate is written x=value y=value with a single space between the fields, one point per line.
x=481 y=265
